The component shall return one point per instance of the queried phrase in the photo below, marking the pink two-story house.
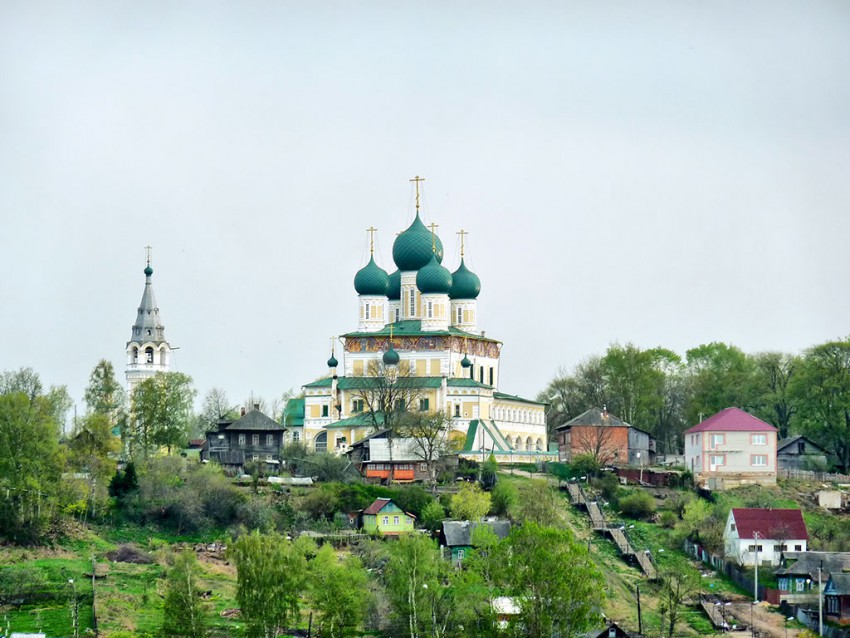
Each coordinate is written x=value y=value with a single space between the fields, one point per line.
x=731 y=448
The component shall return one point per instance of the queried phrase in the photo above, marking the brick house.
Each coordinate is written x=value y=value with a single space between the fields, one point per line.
x=731 y=448
x=607 y=438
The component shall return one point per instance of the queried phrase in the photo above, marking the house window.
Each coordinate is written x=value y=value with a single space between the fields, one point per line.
x=255 y=439
x=395 y=520
x=753 y=549
x=460 y=554
x=357 y=405
x=423 y=405
x=717 y=459
x=268 y=457
x=491 y=375
x=423 y=467
x=759 y=439
x=430 y=309
x=459 y=315
x=296 y=436
x=457 y=409
x=411 y=302
x=366 y=311
x=255 y=457
x=798 y=548
x=397 y=314
x=324 y=410
x=481 y=374
x=759 y=460
x=801 y=584
x=386 y=520
x=832 y=605
x=716 y=440
x=269 y=439
x=400 y=406
x=732 y=527
x=241 y=439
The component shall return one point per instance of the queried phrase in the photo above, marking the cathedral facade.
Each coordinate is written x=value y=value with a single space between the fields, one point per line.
x=418 y=347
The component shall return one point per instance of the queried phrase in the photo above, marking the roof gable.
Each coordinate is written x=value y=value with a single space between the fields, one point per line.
x=815 y=448
x=770 y=523
x=732 y=420
x=459 y=533
x=595 y=417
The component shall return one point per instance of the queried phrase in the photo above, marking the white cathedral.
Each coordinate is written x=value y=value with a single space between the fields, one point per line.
x=419 y=323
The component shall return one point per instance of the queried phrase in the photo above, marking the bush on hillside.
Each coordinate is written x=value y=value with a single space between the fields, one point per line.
x=638 y=504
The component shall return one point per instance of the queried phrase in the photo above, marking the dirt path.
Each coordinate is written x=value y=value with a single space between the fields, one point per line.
x=768 y=624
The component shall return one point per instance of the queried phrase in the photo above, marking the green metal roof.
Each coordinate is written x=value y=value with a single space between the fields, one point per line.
x=466 y=382
x=512 y=397
x=413 y=248
x=434 y=278
x=359 y=420
x=293 y=414
x=413 y=328
x=371 y=280
x=365 y=383
x=465 y=283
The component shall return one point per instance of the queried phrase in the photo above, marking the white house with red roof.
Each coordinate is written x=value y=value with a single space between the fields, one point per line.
x=765 y=533
x=731 y=448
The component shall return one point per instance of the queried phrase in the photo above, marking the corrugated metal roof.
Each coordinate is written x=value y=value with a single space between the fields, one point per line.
x=732 y=420
x=459 y=533
x=255 y=420
x=770 y=523
x=595 y=416
x=401 y=450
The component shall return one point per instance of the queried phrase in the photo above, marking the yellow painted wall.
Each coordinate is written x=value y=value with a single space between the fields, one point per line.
x=315 y=411
x=358 y=368
x=435 y=367
x=421 y=370
x=466 y=409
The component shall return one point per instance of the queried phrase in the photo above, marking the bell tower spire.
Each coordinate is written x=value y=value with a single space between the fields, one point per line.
x=148 y=352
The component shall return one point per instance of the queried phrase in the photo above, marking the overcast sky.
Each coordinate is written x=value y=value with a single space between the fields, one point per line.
x=665 y=173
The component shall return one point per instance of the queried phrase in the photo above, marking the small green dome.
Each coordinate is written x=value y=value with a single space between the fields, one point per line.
x=148 y=270
x=412 y=249
x=465 y=283
x=391 y=357
x=332 y=362
x=371 y=280
x=394 y=287
x=433 y=278
x=465 y=362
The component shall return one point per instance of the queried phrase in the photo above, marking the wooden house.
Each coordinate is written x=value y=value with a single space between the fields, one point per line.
x=456 y=537
x=385 y=517
x=800 y=453
x=836 y=599
x=252 y=437
x=385 y=459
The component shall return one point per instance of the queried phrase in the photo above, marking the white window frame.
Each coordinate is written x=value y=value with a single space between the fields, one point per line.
x=758 y=439
x=241 y=439
x=712 y=457
x=716 y=440
x=269 y=439
x=366 y=309
x=755 y=457
x=255 y=439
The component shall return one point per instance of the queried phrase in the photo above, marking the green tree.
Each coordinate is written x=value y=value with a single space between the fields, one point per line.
x=433 y=515
x=718 y=376
x=470 y=503
x=420 y=596
x=160 y=413
x=552 y=579
x=338 y=593
x=104 y=394
x=821 y=388
x=92 y=449
x=30 y=465
x=539 y=504
x=774 y=403
x=271 y=574
x=677 y=588
x=503 y=498
x=184 y=613
x=428 y=433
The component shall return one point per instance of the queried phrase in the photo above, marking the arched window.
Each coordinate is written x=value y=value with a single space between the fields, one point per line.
x=529 y=444
x=321 y=442
x=539 y=444
x=148 y=355
x=518 y=443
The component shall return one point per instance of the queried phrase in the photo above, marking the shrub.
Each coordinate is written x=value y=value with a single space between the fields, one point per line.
x=638 y=504
x=432 y=516
x=668 y=519
x=503 y=498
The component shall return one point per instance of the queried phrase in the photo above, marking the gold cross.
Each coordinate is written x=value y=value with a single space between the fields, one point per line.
x=417 y=179
x=462 y=233
x=148 y=254
x=371 y=230
x=433 y=228
x=333 y=340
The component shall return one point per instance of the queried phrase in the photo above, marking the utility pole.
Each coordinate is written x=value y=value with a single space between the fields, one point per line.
x=820 y=600
x=756 y=537
x=640 y=622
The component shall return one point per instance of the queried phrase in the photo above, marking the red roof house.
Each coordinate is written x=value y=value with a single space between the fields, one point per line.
x=753 y=534
x=731 y=448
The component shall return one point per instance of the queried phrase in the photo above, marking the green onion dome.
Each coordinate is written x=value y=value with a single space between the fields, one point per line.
x=391 y=357
x=371 y=280
x=412 y=249
x=148 y=270
x=332 y=362
x=433 y=278
x=465 y=283
x=394 y=287
x=465 y=362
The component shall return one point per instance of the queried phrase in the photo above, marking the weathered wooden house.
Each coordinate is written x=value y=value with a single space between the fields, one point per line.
x=456 y=537
x=385 y=459
x=836 y=599
x=252 y=437
x=800 y=453
x=797 y=574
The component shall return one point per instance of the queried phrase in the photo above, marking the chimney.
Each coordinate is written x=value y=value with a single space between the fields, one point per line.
x=243 y=410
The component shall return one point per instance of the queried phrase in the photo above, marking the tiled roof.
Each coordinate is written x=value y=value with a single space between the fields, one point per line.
x=732 y=420
x=377 y=506
x=595 y=416
x=770 y=523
